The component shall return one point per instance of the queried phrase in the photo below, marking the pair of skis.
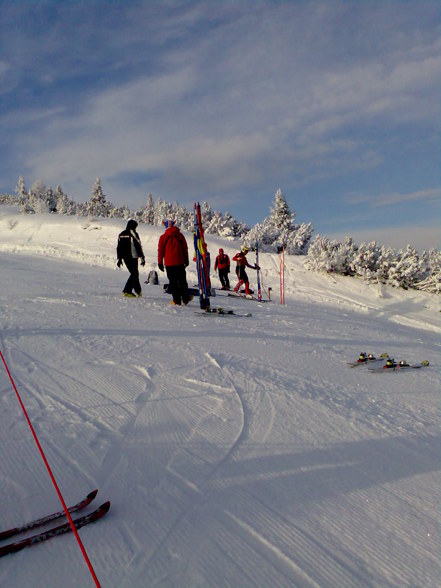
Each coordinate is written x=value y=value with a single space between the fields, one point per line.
x=222 y=312
x=365 y=359
x=201 y=259
x=392 y=366
x=54 y=531
x=246 y=297
x=389 y=363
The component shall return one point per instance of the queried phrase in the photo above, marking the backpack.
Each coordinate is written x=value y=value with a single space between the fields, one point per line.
x=152 y=278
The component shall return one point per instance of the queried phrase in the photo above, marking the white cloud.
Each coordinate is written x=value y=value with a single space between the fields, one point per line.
x=392 y=199
x=220 y=99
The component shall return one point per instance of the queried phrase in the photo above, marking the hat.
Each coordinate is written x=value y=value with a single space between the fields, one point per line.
x=244 y=249
x=132 y=224
x=168 y=223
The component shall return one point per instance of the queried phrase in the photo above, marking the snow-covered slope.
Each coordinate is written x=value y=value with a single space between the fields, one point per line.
x=235 y=451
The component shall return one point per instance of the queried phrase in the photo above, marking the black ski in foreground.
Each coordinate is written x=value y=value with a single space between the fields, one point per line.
x=48 y=518
x=56 y=531
x=222 y=312
x=400 y=366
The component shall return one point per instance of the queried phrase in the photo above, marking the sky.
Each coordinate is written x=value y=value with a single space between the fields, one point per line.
x=335 y=103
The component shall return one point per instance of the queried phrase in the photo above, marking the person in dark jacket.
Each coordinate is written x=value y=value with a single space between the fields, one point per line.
x=129 y=250
x=222 y=265
x=173 y=253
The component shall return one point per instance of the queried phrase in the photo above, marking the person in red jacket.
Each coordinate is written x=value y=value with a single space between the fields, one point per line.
x=242 y=262
x=173 y=253
x=222 y=265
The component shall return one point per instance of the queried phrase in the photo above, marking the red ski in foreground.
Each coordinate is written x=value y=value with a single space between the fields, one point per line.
x=48 y=518
x=56 y=531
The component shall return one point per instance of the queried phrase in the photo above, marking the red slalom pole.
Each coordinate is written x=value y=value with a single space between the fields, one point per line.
x=283 y=273
x=54 y=482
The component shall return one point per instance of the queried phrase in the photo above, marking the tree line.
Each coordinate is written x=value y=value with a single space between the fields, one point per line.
x=404 y=268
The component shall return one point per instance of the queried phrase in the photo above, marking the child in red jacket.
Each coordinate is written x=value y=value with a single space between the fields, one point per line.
x=222 y=265
x=242 y=262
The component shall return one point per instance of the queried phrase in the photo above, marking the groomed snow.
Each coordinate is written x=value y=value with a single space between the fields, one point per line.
x=236 y=452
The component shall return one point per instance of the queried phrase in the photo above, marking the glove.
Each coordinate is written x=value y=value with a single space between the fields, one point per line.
x=119 y=263
x=161 y=266
x=256 y=267
x=142 y=260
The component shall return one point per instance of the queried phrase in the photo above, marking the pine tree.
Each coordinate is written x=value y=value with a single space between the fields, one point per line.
x=148 y=212
x=62 y=203
x=97 y=205
x=365 y=262
x=431 y=281
x=407 y=271
x=162 y=211
x=23 y=197
x=37 y=197
x=279 y=230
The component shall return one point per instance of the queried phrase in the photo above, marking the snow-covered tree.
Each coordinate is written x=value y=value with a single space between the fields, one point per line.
x=37 y=197
x=20 y=190
x=281 y=218
x=431 y=282
x=206 y=215
x=364 y=262
x=62 y=203
x=123 y=212
x=331 y=256
x=148 y=212
x=97 y=205
x=386 y=260
x=279 y=230
x=299 y=239
x=24 y=199
x=407 y=270
x=162 y=211
x=51 y=200
x=184 y=219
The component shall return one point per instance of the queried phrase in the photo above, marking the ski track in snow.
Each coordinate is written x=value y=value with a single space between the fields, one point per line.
x=235 y=453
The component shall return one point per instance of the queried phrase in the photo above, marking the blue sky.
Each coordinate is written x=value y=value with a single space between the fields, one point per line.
x=336 y=103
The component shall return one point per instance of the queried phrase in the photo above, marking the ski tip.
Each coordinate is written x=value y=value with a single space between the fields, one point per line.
x=92 y=494
x=104 y=507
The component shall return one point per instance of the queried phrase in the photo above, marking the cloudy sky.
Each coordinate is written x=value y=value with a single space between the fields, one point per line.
x=336 y=103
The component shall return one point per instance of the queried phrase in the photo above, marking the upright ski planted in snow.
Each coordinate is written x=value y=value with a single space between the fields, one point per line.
x=259 y=289
x=282 y=275
x=201 y=258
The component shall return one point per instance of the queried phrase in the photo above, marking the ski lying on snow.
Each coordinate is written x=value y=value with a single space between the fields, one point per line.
x=397 y=366
x=221 y=312
x=56 y=531
x=368 y=360
x=246 y=297
x=48 y=518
